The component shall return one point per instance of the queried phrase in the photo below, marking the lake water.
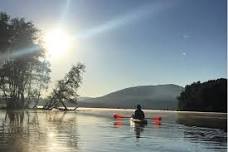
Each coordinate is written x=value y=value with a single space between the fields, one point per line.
x=95 y=130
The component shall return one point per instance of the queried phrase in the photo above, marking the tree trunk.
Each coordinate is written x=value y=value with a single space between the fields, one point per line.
x=63 y=104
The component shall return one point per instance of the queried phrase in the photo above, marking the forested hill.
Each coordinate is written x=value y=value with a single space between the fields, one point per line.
x=209 y=96
x=150 y=97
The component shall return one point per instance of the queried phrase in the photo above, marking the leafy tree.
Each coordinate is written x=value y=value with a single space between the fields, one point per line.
x=66 y=89
x=23 y=66
x=206 y=96
x=5 y=34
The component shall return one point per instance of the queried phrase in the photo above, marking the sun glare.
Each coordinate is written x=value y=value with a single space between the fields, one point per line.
x=57 y=42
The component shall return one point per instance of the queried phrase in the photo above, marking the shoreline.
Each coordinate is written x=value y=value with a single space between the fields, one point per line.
x=147 y=110
x=127 y=109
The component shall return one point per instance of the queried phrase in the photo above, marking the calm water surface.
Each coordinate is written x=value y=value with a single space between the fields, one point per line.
x=95 y=130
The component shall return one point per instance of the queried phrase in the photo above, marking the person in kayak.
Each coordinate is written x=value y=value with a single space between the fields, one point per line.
x=139 y=114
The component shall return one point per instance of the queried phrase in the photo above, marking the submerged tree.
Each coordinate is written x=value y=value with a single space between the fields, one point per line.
x=23 y=68
x=65 y=91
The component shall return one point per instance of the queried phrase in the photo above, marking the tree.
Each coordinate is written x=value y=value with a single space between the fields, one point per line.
x=38 y=83
x=23 y=65
x=206 y=96
x=5 y=34
x=66 y=90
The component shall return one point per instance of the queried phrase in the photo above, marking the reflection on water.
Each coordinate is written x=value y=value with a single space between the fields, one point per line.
x=118 y=123
x=138 y=128
x=12 y=124
x=199 y=124
x=208 y=120
x=24 y=131
x=95 y=130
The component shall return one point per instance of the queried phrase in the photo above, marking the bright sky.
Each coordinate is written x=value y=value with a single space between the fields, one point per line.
x=126 y=43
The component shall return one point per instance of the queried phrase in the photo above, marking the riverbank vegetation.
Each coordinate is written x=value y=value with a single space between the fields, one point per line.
x=24 y=68
x=210 y=96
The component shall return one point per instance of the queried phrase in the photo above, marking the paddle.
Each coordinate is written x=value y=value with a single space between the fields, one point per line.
x=119 y=116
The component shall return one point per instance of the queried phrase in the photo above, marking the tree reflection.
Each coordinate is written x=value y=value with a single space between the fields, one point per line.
x=32 y=130
x=15 y=131
x=204 y=127
x=208 y=120
x=65 y=123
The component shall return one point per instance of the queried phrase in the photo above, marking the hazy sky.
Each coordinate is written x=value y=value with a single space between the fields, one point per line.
x=127 y=43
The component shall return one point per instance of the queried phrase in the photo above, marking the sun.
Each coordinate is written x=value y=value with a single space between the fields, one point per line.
x=57 y=42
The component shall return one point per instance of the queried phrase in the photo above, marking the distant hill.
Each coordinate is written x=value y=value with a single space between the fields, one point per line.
x=84 y=98
x=150 y=97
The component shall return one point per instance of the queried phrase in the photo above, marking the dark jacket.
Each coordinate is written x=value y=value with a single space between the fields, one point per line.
x=139 y=114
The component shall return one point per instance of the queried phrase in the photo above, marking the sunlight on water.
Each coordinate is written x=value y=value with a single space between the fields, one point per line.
x=96 y=130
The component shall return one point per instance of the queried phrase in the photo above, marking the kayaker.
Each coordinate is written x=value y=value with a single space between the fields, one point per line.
x=139 y=114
